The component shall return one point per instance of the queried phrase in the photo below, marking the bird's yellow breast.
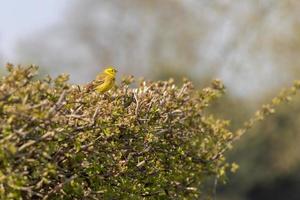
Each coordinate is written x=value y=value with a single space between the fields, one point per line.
x=106 y=85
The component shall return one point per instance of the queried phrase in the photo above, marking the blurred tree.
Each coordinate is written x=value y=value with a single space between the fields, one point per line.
x=268 y=156
x=249 y=42
x=133 y=35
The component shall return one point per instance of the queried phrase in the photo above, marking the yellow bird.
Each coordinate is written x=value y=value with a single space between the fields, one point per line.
x=104 y=81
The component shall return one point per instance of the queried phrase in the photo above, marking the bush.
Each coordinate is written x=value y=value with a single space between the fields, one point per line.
x=153 y=142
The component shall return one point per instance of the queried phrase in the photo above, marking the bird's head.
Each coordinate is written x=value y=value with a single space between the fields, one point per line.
x=110 y=71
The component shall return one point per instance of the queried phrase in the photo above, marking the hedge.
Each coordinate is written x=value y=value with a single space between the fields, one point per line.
x=156 y=141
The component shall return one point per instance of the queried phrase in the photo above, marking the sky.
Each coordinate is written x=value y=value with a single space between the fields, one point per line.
x=19 y=19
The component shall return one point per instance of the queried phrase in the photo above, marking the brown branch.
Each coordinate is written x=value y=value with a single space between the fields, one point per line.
x=59 y=187
x=58 y=104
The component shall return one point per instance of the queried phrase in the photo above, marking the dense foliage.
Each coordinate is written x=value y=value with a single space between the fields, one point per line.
x=152 y=142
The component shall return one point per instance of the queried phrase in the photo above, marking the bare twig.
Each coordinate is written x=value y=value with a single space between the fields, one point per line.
x=95 y=115
x=58 y=104
x=27 y=144
x=32 y=142
x=137 y=103
x=84 y=147
x=59 y=186
x=181 y=91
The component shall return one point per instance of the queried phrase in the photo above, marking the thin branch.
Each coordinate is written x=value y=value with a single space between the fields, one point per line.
x=58 y=104
x=59 y=186
x=137 y=104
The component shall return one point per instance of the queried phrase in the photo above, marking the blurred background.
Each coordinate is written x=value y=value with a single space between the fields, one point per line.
x=253 y=46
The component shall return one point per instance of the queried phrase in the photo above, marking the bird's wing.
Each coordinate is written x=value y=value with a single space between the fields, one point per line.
x=98 y=81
